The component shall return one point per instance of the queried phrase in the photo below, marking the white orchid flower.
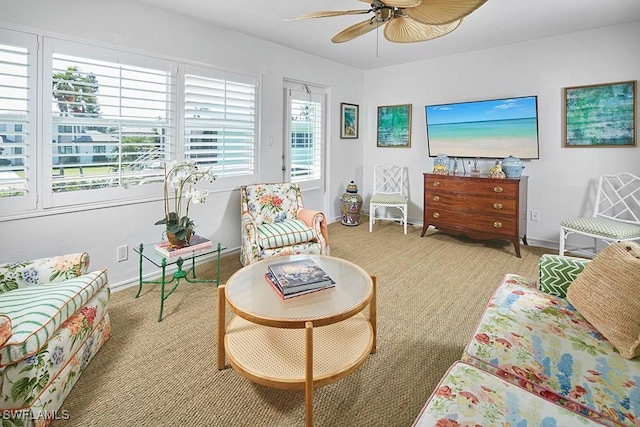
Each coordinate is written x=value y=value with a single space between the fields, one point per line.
x=197 y=196
x=183 y=177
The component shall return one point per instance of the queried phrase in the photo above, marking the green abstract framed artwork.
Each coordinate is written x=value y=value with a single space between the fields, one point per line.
x=394 y=126
x=349 y=118
x=601 y=115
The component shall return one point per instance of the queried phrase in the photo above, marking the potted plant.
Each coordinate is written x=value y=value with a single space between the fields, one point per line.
x=183 y=178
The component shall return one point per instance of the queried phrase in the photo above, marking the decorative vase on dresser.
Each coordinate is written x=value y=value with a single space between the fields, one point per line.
x=478 y=207
x=512 y=167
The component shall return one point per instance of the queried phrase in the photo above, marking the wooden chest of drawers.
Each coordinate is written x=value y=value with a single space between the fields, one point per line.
x=478 y=207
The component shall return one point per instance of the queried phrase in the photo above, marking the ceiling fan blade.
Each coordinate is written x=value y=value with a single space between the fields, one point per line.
x=437 y=12
x=356 y=30
x=329 y=13
x=405 y=30
x=398 y=3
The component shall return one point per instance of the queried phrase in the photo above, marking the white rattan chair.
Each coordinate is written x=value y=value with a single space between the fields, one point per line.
x=616 y=214
x=388 y=192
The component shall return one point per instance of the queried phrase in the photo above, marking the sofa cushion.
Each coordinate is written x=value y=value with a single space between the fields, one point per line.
x=543 y=344
x=40 y=271
x=64 y=350
x=308 y=248
x=468 y=396
x=270 y=203
x=37 y=312
x=556 y=273
x=285 y=233
x=5 y=329
x=607 y=294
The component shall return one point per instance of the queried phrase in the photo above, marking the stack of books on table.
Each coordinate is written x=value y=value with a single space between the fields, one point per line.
x=196 y=243
x=299 y=277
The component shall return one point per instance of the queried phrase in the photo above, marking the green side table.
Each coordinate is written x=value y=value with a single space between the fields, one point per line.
x=148 y=252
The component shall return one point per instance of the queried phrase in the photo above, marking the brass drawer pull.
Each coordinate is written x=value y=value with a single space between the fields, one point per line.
x=436 y=198
x=497 y=225
x=497 y=206
x=497 y=189
x=436 y=215
x=436 y=183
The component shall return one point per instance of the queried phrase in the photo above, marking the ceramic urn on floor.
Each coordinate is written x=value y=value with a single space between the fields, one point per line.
x=351 y=205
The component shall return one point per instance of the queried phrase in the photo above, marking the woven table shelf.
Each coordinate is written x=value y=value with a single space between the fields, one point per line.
x=275 y=357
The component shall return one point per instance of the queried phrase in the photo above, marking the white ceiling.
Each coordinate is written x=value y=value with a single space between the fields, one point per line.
x=496 y=23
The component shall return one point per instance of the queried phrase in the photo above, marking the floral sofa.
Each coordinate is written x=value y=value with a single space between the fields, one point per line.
x=274 y=222
x=53 y=320
x=534 y=359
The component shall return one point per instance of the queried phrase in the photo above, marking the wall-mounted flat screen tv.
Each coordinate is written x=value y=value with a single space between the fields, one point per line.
x=493 y=128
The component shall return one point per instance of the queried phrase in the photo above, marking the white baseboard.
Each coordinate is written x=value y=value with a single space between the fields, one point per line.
x=410 y=221
x=544 y=243
x=156 y=272
x=531 y=240
x=115 y=287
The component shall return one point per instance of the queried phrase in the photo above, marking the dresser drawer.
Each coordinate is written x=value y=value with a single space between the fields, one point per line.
x=479 y=205
x=460 y=221
x=499 y=187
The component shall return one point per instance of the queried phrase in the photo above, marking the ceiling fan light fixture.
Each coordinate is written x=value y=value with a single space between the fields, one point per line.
x=384 y=14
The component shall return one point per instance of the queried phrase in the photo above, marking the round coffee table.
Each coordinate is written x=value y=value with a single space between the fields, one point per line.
x=302 y=342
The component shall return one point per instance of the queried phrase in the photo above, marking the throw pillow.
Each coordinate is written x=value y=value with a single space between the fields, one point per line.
x=5 y=329
x=606 y=294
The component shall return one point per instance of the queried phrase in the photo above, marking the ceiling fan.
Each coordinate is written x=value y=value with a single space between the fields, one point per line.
x=406 y=21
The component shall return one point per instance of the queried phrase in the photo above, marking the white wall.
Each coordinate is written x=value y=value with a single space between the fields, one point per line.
x=136 y=26
x=562 y=182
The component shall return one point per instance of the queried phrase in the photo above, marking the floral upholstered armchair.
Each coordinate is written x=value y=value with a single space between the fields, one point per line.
x=274 y=222
x=53 y=320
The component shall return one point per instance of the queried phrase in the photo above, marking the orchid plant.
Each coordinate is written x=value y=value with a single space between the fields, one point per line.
x=180 y=180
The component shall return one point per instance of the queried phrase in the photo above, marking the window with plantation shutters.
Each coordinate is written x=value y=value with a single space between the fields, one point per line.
x=306 y=137
x=111 y=124
x=220 y=120
x=305 y=130
x=82 y=124
x=17 y=120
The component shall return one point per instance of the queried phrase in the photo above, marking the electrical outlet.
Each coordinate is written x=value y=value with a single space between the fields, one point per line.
x=535 y=216
x=123 y=253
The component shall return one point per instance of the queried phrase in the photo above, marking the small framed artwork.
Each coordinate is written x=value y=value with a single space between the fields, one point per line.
x=601 y=115
x=394 y=126
x=349 y=120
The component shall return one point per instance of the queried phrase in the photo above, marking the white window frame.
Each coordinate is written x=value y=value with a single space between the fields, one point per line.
x=316 y=94
x=28 y=201
x=40 y=200
x=102 y=195
x=225 y=178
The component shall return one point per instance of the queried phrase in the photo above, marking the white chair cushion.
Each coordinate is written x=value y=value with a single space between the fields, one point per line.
x=36 y=312
x=604 y=227
x=388 y=199
x=285 y=233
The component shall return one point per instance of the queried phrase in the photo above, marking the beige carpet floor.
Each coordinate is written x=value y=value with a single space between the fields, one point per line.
x=431 y=294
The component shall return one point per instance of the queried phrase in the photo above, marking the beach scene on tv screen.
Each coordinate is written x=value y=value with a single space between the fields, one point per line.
x=489 y=129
